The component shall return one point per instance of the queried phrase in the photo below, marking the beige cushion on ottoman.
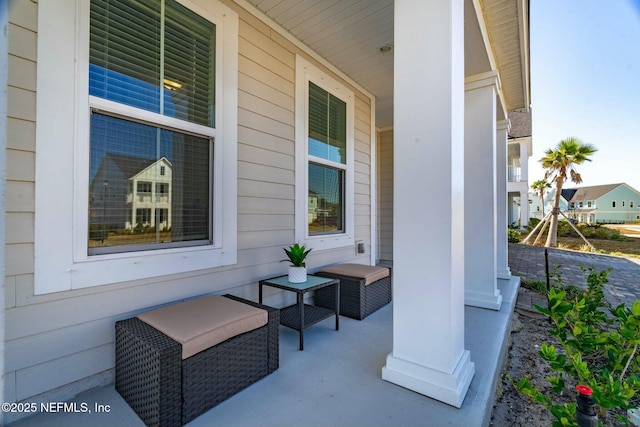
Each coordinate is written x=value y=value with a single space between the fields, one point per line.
x=369 y=273
x=202 y=323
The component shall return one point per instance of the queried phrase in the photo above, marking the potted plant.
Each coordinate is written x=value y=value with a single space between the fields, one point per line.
x=298 y=268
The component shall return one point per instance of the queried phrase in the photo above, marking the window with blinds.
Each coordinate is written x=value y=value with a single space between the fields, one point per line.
x=327 y=145
x=150 y=174
x=327 y=125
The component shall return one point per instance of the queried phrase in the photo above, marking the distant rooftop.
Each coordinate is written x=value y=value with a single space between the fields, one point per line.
x=590 y=193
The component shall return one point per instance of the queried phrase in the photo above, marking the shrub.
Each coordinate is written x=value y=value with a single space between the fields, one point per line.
x=599 y=348
x=587 y=230
x=564 y=228
x=610 y=234
x=513 y=236
x=532 y=224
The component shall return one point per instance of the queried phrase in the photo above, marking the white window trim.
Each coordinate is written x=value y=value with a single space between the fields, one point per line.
x=305 y=72
x=62 y=144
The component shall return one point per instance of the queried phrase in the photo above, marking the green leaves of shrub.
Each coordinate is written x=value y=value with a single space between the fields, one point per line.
x=513 y=235
x=599 y=347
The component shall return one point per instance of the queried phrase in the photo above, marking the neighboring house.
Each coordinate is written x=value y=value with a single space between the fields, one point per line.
x=257 y=112
x=519 y=151
x=610 y=203
x=130 y=191
x=149 y=197
x=535 y=205
x=313 y=207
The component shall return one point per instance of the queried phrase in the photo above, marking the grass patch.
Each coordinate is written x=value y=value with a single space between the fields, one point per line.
x=631 y=247
x=534 y=285
x=606 y=239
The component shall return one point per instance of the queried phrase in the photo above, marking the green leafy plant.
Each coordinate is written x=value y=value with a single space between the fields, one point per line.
x=598 y=348
x=296 y=255
x=564 y=228
x=536 y=285
x=532 y=224
x=513 y=235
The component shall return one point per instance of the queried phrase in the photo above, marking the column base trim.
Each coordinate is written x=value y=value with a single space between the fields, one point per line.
x=448 y=388
x=475 y=299
x=504 y=274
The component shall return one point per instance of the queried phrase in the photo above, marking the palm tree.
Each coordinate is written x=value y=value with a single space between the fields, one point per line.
x=560 y=164
x=540 y=188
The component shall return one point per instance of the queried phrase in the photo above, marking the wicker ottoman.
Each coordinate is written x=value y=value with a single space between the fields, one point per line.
x=166 y=389
x=363 y=289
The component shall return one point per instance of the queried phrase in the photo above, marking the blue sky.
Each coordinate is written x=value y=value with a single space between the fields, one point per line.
x=585 y=82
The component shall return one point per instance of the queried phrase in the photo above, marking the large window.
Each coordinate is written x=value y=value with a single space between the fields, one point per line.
x=137 y=114
x=324 y=147
x=154 y=56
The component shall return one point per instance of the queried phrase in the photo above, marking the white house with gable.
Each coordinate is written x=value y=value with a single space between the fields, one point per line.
x=149 y=197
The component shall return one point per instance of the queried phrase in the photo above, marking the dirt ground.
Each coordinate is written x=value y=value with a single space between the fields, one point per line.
x=529 y=331
x=512 y=409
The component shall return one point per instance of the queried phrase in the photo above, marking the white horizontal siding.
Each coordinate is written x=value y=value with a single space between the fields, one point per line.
x=21 y=165
x=53 y=340
x=265 y=156
x=22 y=73
x=22 y=41
x=264 y=206
x=20 y=185
x=257 y=172
x=58 y=372
x=21 y=103
x=42 y=347
x=19 y=227
x=21 y=134
x=385 y=195
x=264 y=222
x=260 y=72
x=265 y=124
x=260 y=189
x=24 y=14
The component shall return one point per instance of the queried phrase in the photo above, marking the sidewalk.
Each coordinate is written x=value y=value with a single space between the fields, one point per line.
x=528 y=262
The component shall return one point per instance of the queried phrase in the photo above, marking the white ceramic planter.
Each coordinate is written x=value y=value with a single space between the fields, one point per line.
x=297 y=274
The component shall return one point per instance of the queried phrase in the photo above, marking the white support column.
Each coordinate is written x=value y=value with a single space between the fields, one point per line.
x=480 y=216
x=428 y=293
x=524 y=206
x=524 y=177
x=524 y=161
x=502 y=254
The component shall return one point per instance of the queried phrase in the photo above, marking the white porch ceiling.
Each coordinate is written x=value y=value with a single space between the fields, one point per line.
x=350 y=33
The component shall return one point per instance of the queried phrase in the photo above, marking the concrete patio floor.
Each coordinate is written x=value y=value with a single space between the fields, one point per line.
x=336 y=381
